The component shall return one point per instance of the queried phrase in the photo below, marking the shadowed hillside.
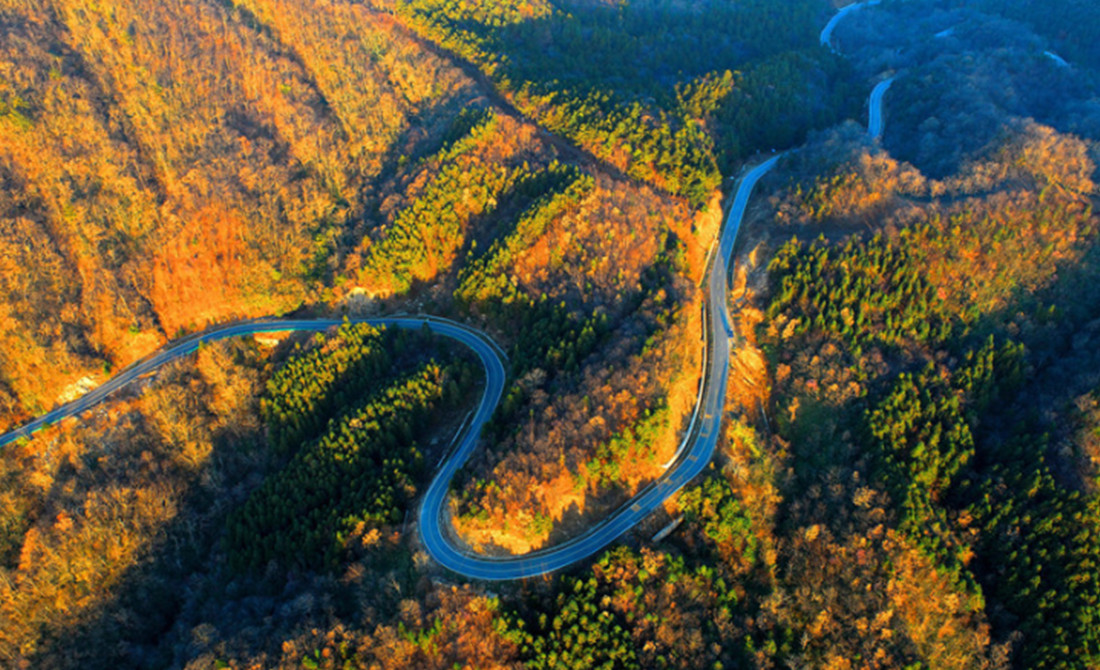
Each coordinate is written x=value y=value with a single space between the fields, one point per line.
x=906 y=472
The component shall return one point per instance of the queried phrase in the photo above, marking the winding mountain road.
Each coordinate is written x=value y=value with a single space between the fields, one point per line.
x=701 y=441
x=827 y=31
x=699 y=444
x=488 y=351
x=876 y=123
x=703 y=438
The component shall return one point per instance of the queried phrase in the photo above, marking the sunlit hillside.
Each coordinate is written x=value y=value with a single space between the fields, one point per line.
x=898 y=464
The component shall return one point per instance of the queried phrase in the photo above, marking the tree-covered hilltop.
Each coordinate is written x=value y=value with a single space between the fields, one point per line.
x=915 y=373
x=967 y=65
x=263 y=157
x=169 y=166
x=908 y=469
x=669 y=93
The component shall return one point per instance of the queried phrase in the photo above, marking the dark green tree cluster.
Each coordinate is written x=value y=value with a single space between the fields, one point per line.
x=609 y=78
x=472 y=17
x=1039 y=557
x=864 y=293
x=578 y=633
x=314 y=384
x=554 y=338
x=989 y=376
x=643 y=48
x=632 y=610
x=604 y=468
x=713 y=506
x=362 y=469
x=427 y=234
x=356 y=469
x=920 y=436
x=920 y=443
x=674 y=152
x=467 y=124
x=484 y=281
x=774 y=102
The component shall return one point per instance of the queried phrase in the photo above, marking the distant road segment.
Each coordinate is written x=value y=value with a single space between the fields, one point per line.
x=875 y=121
x=827 y=31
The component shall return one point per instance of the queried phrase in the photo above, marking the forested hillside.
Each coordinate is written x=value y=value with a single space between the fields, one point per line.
x=909 y=367
x=168 y=166
x=966 y=70
x=174 y=166
x=907 y=473
x=666 y=91
x=140 y=516
x=1072 y=25
x=925 y=329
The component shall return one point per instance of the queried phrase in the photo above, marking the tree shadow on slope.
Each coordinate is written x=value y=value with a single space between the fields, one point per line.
x=645 y=49
x=180 y=599
x=959 y=85
x=948 y=110
x=643 y=84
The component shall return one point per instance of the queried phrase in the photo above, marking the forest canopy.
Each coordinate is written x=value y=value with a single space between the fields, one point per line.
x=907 y=473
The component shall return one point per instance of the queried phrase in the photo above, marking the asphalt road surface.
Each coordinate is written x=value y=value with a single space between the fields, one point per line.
x=491 y=356
x=875 y=121
x=827 y=31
